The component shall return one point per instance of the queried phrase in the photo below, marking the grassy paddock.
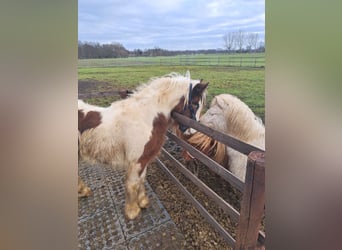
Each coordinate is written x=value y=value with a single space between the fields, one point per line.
x=246 y=83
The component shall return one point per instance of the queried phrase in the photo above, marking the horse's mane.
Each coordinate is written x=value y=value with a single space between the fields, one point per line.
x=209 y=146
x=241 y=122
x=161 y=86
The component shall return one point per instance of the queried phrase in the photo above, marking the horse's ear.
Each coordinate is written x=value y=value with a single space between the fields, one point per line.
x=219 y=101
x=187 y=74
x=200 y=88
x=204 y=85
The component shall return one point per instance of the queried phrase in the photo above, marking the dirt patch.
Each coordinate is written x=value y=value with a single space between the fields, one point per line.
x=89 y=86
x=198 y=233
x=87 y=89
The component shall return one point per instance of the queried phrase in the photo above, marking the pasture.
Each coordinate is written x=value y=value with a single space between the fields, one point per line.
x=245 y=83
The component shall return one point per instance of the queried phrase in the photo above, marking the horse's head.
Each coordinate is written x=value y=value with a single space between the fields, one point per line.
x=193 y=102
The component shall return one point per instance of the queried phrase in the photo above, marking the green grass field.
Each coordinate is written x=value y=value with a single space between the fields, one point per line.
x=246 y=83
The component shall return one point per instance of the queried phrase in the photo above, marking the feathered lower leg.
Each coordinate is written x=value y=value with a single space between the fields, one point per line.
x=83 y=190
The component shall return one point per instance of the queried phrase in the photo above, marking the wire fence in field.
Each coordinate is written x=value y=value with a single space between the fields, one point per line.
x=233 y=61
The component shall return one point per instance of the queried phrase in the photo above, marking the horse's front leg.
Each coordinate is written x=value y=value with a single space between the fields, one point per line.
x=133 y=180
x=143 y=201
x=83 y=190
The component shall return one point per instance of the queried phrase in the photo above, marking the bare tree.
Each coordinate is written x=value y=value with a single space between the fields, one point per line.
x=240 y=40
x=261 y=47
x=255 y=41
x=249 y=41
x=252 y=41
x=229 y=41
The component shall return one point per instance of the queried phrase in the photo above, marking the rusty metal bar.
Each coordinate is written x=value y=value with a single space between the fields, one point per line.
x=230 y=141
x=211 y=164
x=226 y=207
x=253 y=203
x=211 y=220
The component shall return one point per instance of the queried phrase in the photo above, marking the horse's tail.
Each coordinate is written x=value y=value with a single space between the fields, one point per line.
x=210 y=147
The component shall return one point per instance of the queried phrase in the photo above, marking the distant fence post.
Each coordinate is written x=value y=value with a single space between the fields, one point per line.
x=252 y=204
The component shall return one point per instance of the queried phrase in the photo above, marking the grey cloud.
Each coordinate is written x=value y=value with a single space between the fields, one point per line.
x=167 y=24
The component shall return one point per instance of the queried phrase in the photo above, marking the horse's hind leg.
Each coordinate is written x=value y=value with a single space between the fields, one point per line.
x=143 y=201
x=83 y=190
x=132 y=208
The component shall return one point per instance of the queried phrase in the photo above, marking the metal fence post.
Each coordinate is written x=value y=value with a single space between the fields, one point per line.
x=252 y=204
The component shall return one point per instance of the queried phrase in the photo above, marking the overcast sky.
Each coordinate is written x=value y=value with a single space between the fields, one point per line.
x=168 y=24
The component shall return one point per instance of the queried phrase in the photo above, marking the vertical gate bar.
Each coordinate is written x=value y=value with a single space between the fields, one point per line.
x=253 y=203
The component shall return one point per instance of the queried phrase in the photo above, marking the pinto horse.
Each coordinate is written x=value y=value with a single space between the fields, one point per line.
x=229 y=115
x=130 y=133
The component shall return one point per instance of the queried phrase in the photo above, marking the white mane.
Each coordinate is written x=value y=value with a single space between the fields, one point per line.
x=228 y=114
x=172 y=83
x=237 y=120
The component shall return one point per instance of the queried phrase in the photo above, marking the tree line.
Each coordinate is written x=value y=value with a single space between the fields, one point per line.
x=238 y=42
x=96 y=50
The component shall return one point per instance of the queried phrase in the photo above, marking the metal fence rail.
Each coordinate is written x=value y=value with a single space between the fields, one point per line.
x=253 y=201
x=234 y=61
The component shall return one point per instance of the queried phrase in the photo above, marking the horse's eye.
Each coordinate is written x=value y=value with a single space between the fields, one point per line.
x=195 y=104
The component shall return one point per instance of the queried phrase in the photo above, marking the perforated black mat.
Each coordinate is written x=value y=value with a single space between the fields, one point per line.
x=101 y=219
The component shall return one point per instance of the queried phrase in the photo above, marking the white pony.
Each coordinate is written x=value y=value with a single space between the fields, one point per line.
x=130 y=133
x=229 y=115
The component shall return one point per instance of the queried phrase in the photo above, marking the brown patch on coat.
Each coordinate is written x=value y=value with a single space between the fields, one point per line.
x=197 y=95
x=180 y=106
x=91 y=120
x=153 y=146
x=197 y=92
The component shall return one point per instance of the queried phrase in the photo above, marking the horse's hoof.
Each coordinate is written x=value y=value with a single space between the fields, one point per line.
x=144 y=202
x=84 y=192
x=132 y=211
